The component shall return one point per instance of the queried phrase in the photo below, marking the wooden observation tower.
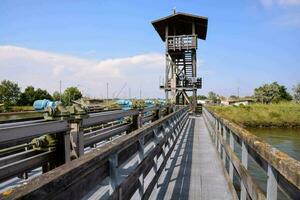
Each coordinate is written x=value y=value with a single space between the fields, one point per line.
x=180 y=32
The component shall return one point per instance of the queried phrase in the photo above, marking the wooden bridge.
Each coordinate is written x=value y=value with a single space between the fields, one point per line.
x=161 y=153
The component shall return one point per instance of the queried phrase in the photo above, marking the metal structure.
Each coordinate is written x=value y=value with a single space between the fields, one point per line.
x=180 y=32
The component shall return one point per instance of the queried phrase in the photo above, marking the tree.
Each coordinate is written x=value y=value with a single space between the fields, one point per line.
x=27 y=97
x=233 y=97
x=201 y=97
x=70 y=94
x=296 y=90
x=56 y=96
x=284 y=94
x=271 y=93
x=42 y=94
x=212 y=97
x=9 y=93
x=30 y=95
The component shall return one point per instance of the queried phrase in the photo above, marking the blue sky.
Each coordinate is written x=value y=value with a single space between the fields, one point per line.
x=89 y=43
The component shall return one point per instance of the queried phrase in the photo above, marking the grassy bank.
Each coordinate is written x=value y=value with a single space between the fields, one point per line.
x=16 y=109
x=262 y=115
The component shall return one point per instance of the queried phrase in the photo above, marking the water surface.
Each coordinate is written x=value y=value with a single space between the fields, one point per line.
x=286 y=140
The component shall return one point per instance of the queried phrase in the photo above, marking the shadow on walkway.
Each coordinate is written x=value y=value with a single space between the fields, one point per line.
x=178 y=175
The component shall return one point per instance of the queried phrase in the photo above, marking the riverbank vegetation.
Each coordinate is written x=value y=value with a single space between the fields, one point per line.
x=271 y=106
x=285 y=114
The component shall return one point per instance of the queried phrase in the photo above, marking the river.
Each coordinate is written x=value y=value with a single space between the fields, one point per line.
x=286 y=140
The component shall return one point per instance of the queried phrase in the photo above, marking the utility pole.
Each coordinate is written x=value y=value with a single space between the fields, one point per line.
x=129 y=93
x=107 y=91
x=60 y=90
x=140 y=93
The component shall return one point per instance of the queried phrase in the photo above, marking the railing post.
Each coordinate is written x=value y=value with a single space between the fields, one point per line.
x=67 y=147
x=172 y=127
x=177 y=125
x=166 y=129
x=158 y=113
x=156 y=141
x=245 y=163
x=272 y=183
x=219 y=138
x=216 y=132
x=224 y=137
x=77 y=137
x=114 y=172
x=231 y=143
x=156 y=138
x=137 y=121
x=140 y=118
x=141 y=153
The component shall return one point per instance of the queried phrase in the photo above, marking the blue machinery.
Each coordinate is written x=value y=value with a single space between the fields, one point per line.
x=125 y=104
x=40 y=105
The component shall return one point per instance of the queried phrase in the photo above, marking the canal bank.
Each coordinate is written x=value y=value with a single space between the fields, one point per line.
x=280 y=115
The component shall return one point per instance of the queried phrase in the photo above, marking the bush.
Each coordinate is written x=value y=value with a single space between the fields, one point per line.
x=262 y=115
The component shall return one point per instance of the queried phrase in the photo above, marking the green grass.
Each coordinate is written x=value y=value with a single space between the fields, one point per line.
x=21 y=108
x=261 y=115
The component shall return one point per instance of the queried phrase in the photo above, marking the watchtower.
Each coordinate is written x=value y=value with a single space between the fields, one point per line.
x=180 y=32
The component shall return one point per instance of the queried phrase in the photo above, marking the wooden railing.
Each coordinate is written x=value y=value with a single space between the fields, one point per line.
x=147 y=148
x=181 y=42
x=283 y=172
x=73 y=138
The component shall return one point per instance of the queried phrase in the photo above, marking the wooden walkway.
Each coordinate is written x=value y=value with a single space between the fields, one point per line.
x=193 y=170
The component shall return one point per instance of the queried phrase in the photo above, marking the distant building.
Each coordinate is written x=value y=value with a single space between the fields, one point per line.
x=203 y=101
x=91 y=101
x=237 y=102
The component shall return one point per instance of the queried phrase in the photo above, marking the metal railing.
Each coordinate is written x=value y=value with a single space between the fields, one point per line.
x=283 y=172
x=182 y=42
x=19 y=154
x=105 y=166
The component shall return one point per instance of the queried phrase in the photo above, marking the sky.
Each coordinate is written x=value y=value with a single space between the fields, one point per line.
x=91 y=43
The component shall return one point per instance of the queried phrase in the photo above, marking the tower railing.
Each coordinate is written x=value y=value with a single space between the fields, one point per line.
x=182 y=42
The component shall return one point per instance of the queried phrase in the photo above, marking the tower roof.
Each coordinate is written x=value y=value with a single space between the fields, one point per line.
x=182 y=22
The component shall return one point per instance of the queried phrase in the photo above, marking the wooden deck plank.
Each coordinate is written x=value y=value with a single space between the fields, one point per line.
x=193 y=170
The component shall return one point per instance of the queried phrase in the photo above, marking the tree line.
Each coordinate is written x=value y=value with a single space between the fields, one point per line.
x=11 y=95
x=266 y=94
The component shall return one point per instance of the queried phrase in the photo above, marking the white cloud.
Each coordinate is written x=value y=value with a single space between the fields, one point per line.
x=289 y=2
x=45 y=69
x=269 y=3
x=291 y=20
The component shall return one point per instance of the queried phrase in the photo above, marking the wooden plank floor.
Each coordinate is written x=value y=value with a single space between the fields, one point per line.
x=193 y=170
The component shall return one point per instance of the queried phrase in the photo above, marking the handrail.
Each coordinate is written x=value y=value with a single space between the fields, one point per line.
x=282 y=170
x=182 y=42
x=77 y=178
x=73 y=138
